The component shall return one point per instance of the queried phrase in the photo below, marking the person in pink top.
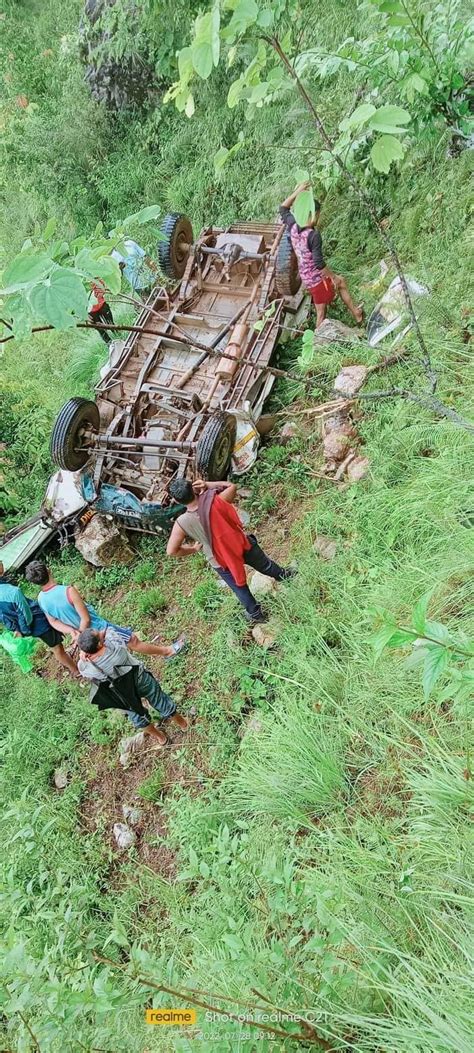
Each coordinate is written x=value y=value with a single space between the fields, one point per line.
x=322 y=283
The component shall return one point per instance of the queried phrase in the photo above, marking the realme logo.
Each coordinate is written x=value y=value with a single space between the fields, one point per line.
x=182 y=1017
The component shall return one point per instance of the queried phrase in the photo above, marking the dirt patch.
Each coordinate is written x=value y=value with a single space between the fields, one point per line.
x=109 y=787
x=380 y=793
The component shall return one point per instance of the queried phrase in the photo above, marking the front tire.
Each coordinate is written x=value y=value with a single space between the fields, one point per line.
x=67 y=440
x=215 y=446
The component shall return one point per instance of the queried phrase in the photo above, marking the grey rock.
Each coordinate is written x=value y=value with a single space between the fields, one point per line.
x=331 y=331
x=261 y=585
x=350 y=380
x=288 y=432
x=264 y=635
x=252 y=726
x=325 y=547
x=60 y=779
x=357 y=469
x=335 y=445
x=102 y=544
x=124 y=836
x=131 y=814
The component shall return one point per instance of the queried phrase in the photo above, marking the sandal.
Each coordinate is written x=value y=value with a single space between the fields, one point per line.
x=178 y=646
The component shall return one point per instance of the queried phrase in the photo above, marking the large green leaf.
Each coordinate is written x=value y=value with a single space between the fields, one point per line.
x=185 y=64
x=61 y=301
x=205 y=47
x=201 y=52
x=92 y=265
x=388 y=119
x=303 y=207
x=360 y=116
x=419 y=612
x=436 y=661
x=24 y=270
x=143 y=216
x=215 y=38
x=236 y=92
x=245 y=14
x=385 y=151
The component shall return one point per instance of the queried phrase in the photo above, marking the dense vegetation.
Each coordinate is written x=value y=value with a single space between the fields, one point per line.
x=318 y=859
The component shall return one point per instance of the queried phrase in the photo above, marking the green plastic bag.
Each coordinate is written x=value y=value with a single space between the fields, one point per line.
x=20 y=649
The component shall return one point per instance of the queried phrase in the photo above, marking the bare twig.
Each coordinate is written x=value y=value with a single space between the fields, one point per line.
x=30 y=1032
x=429 y=402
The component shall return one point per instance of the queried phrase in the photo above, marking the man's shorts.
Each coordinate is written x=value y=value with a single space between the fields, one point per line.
x=120 y=632
x=323 y=292
x=52 y=637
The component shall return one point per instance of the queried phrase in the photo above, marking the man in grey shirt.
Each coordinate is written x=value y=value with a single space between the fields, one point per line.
x=103 y=657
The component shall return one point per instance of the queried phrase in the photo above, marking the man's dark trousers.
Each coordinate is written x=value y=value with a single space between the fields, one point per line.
x=258 y=559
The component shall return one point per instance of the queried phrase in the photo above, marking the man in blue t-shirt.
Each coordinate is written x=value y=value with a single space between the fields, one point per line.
x=24 y=617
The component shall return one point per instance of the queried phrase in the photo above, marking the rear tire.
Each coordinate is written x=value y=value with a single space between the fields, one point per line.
x=174 y=251
x=215 y=446
x=287 y=278
x=72 y=419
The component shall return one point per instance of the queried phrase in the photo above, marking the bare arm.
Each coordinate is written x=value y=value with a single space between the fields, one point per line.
x=80 y=607
x=226 y=490
x=61 y=627
x=289 y=201
x=176 y=546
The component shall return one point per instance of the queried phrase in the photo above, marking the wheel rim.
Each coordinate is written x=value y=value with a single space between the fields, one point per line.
x=222 y=453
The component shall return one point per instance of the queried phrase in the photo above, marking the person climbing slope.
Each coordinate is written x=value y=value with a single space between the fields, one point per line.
x=214 y=524
x=322 y=283
x=99 y=309
x=24 y=617
x=122 y=681
x=68 y=612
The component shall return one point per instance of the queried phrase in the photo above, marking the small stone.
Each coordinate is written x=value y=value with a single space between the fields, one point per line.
x=350 y=380
x=288 y=432
x=261 y=585
x=357 y=469
x=244 y=517
x=60 y=779
x=132 y=815
x=253 y=726
x=244 y=492
x=264 y=636
x=335 y=445
x=325 y=547
x=124 y=836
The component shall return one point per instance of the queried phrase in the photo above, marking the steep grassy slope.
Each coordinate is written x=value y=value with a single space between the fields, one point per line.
x=322 y=858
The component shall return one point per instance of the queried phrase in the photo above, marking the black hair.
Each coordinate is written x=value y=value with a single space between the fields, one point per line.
x=37 y=572
x=317 y=206
x=181 y=490
x=89 y=641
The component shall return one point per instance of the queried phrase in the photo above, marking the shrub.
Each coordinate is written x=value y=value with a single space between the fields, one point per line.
x=208 y=595
x=150 y=789
x=151 y=601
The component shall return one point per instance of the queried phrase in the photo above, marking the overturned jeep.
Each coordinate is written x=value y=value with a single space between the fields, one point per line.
x=185 y=392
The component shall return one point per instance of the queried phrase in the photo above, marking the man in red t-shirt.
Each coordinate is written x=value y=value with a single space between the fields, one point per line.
x=99 y=310
x=218 y=531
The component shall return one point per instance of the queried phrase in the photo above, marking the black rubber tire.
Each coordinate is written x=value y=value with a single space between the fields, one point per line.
x=174 y=250
x=73 y=416
x=215 y=446
x=287 y=278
